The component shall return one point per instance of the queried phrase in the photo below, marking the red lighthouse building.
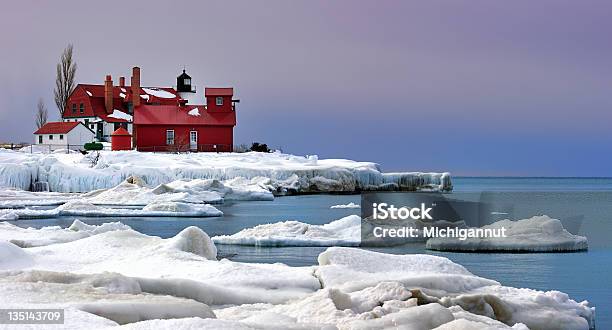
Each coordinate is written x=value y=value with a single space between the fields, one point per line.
x=158 y=118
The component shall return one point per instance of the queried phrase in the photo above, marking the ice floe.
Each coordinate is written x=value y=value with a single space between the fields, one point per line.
x=535 y=234
x=350 y=205
x=86 y=209
x=342 y=232
x=16 y=198
x=285 y=174
x=437 y=280
x=122 y=277
x=30 y=237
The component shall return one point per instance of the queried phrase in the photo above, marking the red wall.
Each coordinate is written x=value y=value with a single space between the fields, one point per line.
x=153 y=137
x=77 y=97
x=211 y=104
x=121 y=142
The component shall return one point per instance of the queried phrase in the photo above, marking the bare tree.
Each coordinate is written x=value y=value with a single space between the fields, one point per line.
x=41 y=113
x=64 y=80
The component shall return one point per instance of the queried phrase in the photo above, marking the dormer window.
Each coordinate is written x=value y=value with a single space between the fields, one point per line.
x=219 y=101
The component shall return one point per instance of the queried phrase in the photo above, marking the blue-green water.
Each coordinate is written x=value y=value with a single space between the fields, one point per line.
x=583 y=204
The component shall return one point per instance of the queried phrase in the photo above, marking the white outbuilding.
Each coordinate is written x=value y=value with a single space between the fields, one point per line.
x=63 y=135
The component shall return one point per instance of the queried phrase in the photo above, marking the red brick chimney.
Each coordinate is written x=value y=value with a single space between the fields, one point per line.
x=122 y=81
x=108 y=94
x=135 y=86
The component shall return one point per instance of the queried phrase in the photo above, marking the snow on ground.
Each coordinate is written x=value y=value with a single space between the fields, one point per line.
x=350 y=205
x=536 y=234
x=342 y=232
x=285 y=174
x=125 y=277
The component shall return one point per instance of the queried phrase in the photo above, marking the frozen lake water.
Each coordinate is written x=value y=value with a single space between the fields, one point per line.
x=582 y=275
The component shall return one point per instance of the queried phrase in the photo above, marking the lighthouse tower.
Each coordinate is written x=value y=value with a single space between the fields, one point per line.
x=186 y=90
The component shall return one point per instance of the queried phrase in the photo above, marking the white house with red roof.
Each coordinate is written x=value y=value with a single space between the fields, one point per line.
x=63 y=135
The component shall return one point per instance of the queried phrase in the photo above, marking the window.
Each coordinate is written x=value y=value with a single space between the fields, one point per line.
x=82 y=108
x=170 y=137
x=219 y=100
x=187 y=81
x=86 y=121
x=40 y=139
x=73 y=107
x=91 y=126
x=50 y=137
x=61 y=136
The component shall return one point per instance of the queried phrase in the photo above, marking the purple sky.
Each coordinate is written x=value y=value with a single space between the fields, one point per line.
x=472 y=87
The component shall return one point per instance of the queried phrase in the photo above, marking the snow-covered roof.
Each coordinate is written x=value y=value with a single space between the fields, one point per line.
x=194 y=112
x=158 y=92
x=120 y=115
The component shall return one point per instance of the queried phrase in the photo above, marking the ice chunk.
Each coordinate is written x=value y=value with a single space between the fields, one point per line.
x=350 y=205
x=342 y=232
x=536 y=234
x=86 y=209
x=176 y=265
x=179 y=209
x=421 y=317
x=438 y=280
x=111 y=296
x=355 y=269
x=29 y=237
x=193 y=239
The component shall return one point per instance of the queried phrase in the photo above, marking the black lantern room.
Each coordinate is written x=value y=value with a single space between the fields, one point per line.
x=183 y=83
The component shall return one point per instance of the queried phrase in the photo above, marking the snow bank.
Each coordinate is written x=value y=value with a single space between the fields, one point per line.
x=536 y=234
x=30 y=237
x=350 y=205
x=86 y=209
x=342 y=232
x=285 y=174
x=12 y=256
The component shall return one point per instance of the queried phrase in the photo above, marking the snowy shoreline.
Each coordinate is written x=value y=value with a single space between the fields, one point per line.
x=281 y=174
x=120 y=276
